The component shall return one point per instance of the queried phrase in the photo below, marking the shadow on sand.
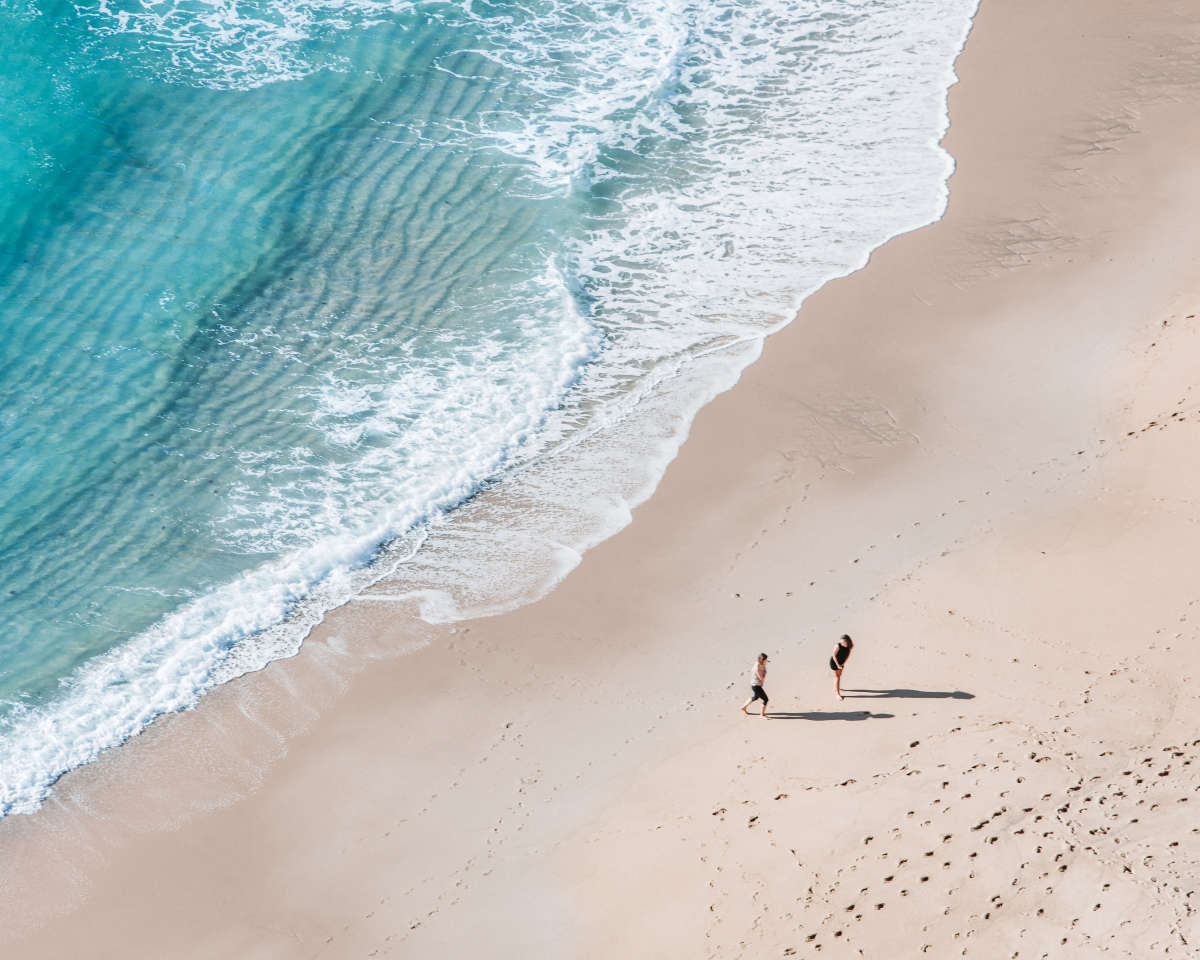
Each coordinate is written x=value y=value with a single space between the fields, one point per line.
x=831 y=715
x=904 y=694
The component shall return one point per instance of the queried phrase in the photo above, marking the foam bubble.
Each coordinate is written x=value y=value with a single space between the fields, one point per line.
x=224 y=45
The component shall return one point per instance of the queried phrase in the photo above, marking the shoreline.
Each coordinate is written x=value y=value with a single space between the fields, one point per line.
x=934 y=458
x=490 y=553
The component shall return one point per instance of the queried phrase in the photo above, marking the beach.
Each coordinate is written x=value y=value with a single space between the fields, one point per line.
x=974 y=455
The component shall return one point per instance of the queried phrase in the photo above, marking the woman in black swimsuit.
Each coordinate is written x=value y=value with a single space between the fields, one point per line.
x=841 y=653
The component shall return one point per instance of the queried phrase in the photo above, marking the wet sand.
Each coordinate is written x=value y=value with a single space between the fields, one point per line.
x=976 y=455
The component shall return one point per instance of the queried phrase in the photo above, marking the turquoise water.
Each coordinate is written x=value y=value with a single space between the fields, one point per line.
x=281 y=282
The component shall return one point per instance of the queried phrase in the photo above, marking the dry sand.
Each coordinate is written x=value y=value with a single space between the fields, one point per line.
x=977 y=455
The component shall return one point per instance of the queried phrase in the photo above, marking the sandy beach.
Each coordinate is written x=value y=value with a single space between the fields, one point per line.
x=976 y=455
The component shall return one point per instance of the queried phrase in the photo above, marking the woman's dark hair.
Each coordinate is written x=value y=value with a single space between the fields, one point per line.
x=846 y=637
x=762 y=656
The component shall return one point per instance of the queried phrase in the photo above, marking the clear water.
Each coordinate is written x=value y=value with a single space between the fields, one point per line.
x=284 y=282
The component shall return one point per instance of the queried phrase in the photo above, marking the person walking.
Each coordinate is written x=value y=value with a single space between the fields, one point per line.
x=758 y=677
x=837 y=663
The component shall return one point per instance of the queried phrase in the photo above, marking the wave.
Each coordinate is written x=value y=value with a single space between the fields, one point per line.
x=265 y=613
x=537 y=257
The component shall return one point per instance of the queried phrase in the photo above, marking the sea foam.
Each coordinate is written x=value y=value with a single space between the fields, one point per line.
x=526 y=266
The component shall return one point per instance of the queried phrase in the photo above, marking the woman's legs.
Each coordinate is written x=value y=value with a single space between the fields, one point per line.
x=754 y=697
x=837 y=683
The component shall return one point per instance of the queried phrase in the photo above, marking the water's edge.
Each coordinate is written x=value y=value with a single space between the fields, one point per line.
x=546 y=527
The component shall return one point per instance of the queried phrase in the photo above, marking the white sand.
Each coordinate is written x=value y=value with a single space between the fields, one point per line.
x=977 y=456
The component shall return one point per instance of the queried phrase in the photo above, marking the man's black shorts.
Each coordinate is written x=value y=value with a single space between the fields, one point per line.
x=759 y=694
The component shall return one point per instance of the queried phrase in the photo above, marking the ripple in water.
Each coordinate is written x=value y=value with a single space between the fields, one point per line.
x=287 y=282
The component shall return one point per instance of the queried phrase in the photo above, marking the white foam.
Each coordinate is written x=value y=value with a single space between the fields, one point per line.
x=802 y=137
x=226 y=45
x=799 y=137
x=264 y=614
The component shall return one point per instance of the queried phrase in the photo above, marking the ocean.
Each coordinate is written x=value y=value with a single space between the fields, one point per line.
x=284 y=284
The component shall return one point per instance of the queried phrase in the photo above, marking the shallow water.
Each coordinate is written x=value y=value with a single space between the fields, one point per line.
x=282 y=283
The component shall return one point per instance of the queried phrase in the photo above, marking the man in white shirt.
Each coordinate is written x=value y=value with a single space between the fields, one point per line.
x=758 y=677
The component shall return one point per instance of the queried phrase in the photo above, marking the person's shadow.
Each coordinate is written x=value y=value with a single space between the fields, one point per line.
x=905 y=694
x=831 y=715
